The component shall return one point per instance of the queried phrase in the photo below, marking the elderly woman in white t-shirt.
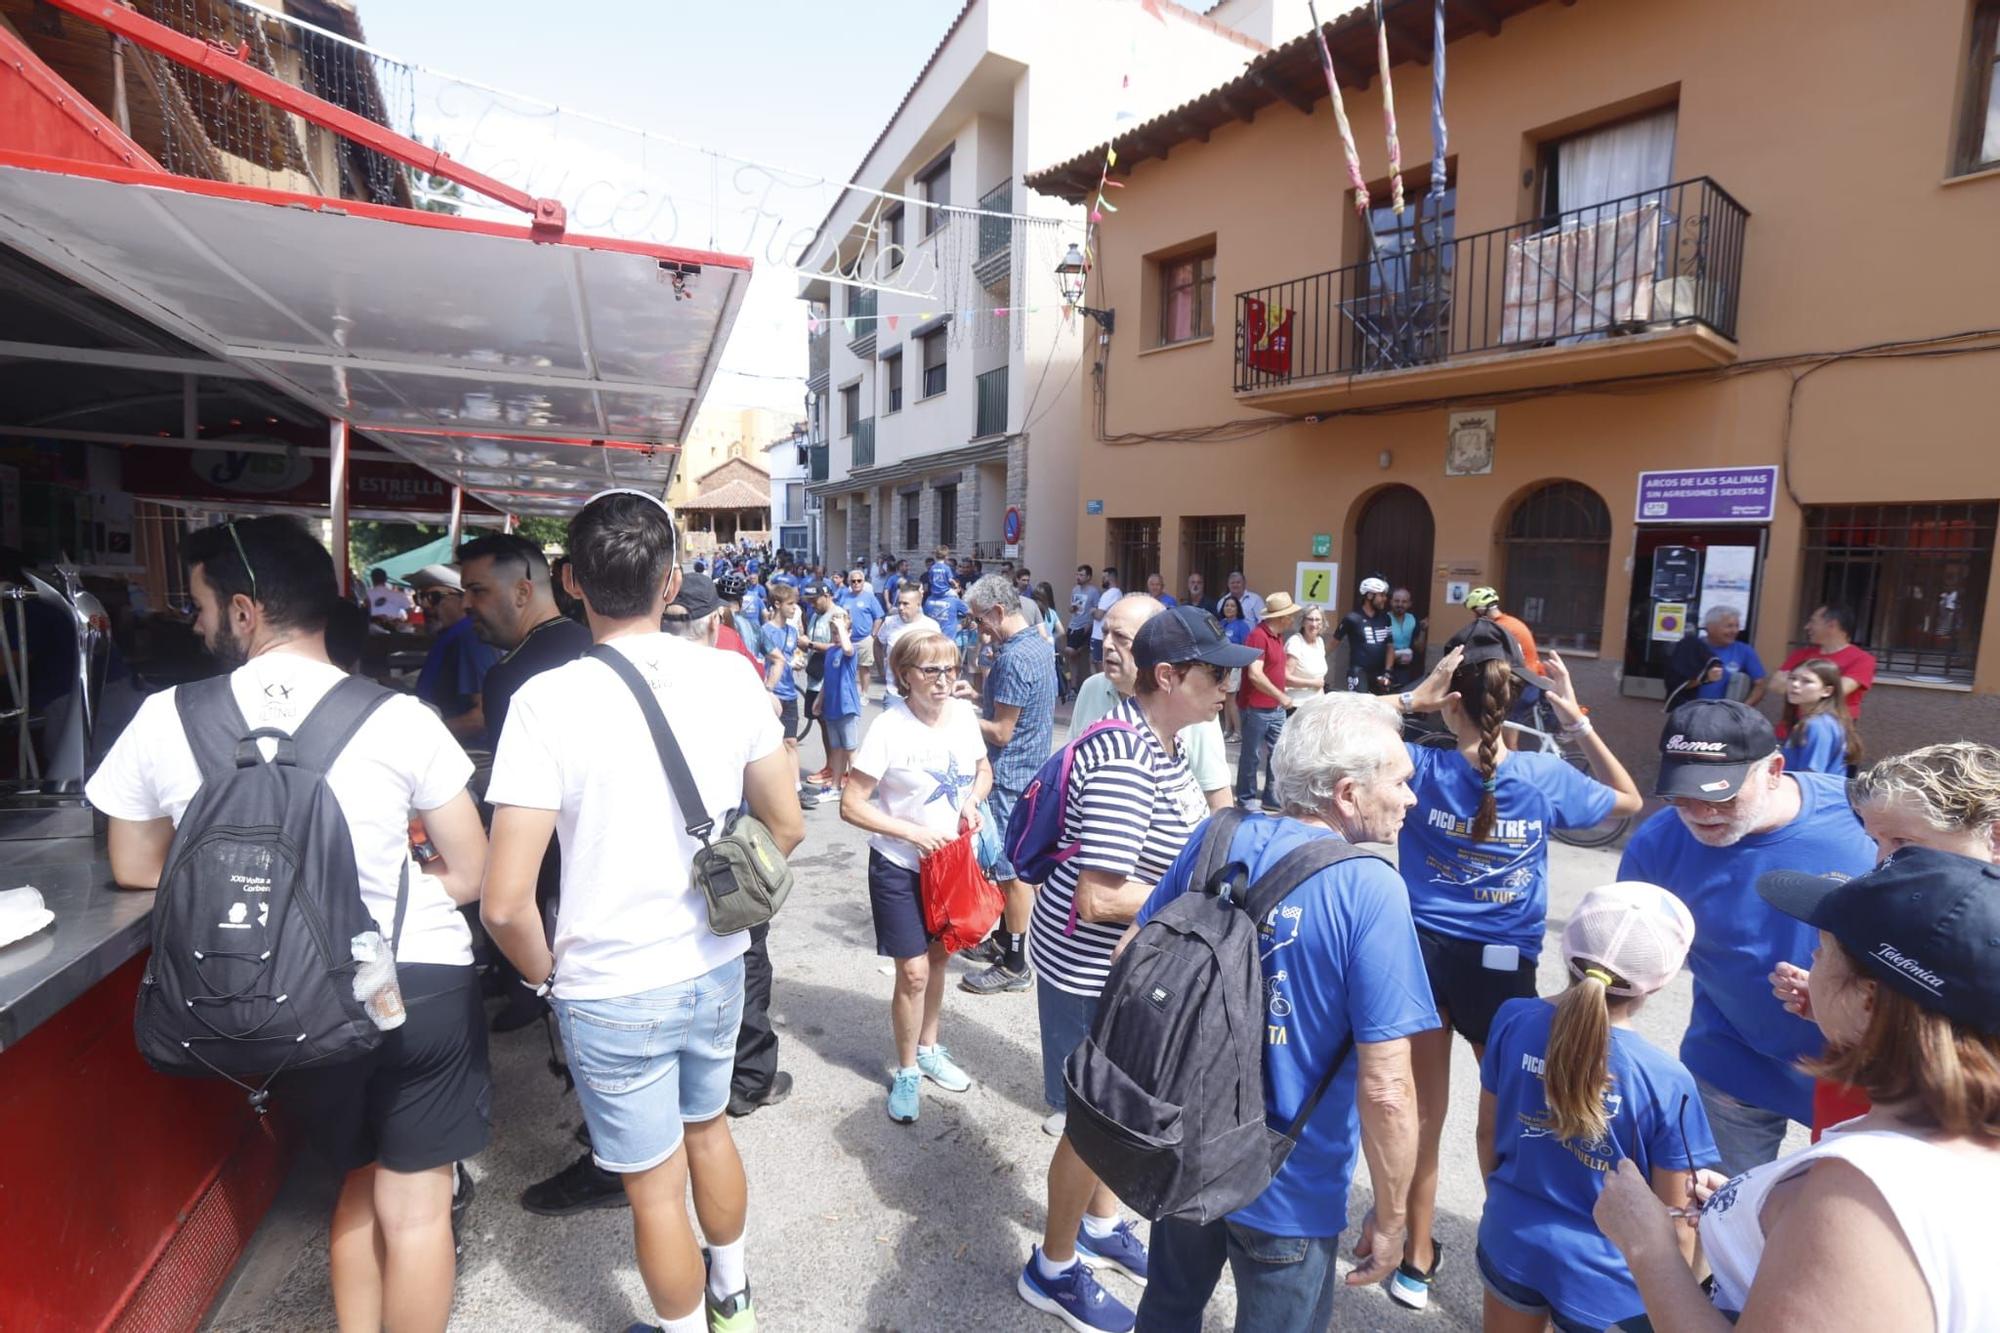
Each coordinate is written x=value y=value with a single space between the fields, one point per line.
x=1305 y=657
x=916 y=783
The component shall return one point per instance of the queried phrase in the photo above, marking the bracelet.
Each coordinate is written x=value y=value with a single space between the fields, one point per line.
x=548 y=983
x=1408 y=699
x=1583 y=728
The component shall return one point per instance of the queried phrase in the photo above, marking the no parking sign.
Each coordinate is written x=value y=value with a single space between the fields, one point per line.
x=1010 y=526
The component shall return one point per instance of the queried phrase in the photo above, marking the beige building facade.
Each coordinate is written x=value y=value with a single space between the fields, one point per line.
x=1678 y=238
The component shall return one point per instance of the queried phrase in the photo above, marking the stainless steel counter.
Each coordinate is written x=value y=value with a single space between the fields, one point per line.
x=98 y=928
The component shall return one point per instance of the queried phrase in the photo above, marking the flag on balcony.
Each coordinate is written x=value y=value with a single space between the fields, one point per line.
x=1269 y=330
x=1389 y=113
x=1354 y=176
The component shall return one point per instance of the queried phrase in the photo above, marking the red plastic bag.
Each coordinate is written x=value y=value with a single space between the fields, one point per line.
x=960 y=903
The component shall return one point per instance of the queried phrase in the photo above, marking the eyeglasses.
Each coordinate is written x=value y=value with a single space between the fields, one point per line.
x=937 y=672
x=1694 y=1209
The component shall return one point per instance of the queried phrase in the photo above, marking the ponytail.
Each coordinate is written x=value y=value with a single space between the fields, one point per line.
x=1576 y=1071
x=1490 y=690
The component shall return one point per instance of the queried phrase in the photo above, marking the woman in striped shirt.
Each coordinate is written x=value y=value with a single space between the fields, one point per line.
x=1129 y=806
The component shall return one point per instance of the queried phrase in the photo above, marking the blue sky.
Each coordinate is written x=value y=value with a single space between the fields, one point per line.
x=805 y=84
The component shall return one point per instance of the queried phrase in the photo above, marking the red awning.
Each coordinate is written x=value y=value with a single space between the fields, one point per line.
x=530 y=371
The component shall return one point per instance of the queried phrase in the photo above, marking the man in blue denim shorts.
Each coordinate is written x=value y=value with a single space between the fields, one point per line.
x=648 y=997
x=1017 y=707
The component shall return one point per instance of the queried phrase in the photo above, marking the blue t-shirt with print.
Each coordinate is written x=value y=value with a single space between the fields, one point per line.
x=1023 y=674
x=1817 y=746
x=783 y=640
x=1737 y=657
x=1537 y=1228
x=862 y=611
x=840 y=688
x=1238 y=630
x=755 y=599
x=1738 y=1037
x=1341 y=957
x=1495 y=891
x=947 y=609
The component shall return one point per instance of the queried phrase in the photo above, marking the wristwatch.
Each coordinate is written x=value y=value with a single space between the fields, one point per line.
x=1409 y=699
x=548 y=984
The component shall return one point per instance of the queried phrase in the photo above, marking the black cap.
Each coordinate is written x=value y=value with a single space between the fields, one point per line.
x=1485 y=641
x=1925 y=922
x=1709 y=746
x=697 y=596
x=1187 y=634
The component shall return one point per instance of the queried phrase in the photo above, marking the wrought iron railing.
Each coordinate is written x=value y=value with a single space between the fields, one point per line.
x=1662 y=258
x=992 y=387
x=994 y=228
x=864 y=443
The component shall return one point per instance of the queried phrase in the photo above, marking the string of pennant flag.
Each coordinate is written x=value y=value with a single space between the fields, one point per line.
x=853 y=323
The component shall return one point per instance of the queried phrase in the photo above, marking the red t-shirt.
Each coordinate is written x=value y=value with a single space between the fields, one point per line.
x=727 y=637
x=1273 y=648
x=1856 y=664
x=1833 y=1103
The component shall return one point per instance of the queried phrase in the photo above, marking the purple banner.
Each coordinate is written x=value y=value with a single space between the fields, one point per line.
x=1709 y=495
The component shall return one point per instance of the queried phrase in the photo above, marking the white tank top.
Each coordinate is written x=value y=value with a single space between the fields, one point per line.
x=1943 y=1201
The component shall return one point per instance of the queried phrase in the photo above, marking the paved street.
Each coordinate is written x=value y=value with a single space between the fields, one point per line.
x=856 y=1222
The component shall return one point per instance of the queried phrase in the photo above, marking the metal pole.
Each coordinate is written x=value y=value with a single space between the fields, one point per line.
x=121 y=110
x=337 y=503
x=457 y=518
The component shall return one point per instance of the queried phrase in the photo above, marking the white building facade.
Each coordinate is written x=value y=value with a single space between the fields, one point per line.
x=794 y=513
x=943 y=380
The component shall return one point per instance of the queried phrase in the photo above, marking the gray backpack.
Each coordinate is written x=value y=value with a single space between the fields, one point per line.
x=1166 y=1095
x=251 y=973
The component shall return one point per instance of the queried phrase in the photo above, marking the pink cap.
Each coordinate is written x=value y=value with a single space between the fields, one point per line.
x=1637 y=933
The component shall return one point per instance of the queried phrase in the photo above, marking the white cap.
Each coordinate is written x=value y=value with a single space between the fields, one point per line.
x=1372 y=584
x=1637 y=933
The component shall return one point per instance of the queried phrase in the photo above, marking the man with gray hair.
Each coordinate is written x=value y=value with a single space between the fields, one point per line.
x=1341 y=966
x=1202 y=743
x=1717 y=663
x=1017 y=704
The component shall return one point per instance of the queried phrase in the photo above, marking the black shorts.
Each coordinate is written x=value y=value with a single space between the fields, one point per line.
x=788 y=716
x=896 y=901
x=1466 y=991
x=419 y=1100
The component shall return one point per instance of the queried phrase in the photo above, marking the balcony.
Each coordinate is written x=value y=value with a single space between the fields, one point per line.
x=818 y=462
x=992 y=388
x=864 y=444
x=1643 y=285
x=817 y=359
x=861 y=309
x=996 y=237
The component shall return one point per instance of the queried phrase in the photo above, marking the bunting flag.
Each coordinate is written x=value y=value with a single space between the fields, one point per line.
x=1437 y=102
x=857 y=323
x=892 y=322
x=850 y=322
x=812 y=323
x=1389 y=113
x=1354 y=175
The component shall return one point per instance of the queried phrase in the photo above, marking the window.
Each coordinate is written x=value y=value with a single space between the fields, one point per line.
x=1979 y=138
x=1213 y=548
x=934 y=367
x=934 y=183
x=1611 y=162
x=892 y=378
x=795 y=499
x=850 y=408
x=947 y=503
x=890 y=239
x=912 y=522
x=1187 y=297
x=1132 y=547
x=1915 y=576
x=1558 y=544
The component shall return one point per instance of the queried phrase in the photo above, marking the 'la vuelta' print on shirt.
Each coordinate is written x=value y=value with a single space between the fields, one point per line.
x=1599 y=1154
x=1497 y=870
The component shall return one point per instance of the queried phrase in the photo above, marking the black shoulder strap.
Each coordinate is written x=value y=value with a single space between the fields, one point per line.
x=212 y=722
x=1216 y=840
x=679 y=777
x=1273 y=887
x=331 y=724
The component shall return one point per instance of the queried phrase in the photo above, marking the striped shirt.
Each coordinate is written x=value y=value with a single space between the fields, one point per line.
x=1130 y=806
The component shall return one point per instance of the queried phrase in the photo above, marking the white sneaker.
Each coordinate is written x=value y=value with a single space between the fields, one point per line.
x=1054 y=1125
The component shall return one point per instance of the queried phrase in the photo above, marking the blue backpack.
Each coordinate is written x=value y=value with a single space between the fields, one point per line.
x=1035 y=828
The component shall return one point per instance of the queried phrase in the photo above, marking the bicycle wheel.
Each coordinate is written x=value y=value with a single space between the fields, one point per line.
x=1601 y=834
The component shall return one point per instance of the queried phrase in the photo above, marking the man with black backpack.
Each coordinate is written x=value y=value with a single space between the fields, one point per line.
x=646 y=979
x=268 y=888
x=1340 y=988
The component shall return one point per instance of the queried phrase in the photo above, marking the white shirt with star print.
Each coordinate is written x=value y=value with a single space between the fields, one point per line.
x=922 y=774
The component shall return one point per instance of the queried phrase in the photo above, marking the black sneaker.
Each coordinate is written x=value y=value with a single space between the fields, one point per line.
x=781 y=1088
x=1409 y=1286
x=577 y=1188
x=992 y=949
x=462 y=1192
x=996 y=980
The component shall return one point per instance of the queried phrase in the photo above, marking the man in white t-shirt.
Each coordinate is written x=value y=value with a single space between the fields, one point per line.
x=909 y=616
x=649 y=998
x=396 y=1119
x=1252 y=604
x=1106 y=599
x=387 y=603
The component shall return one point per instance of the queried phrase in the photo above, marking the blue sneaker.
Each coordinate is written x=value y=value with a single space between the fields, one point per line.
x=903 y=1096
x=1410 y=1287
x=1122 y=1250
x=1075 y=1297
x=936 y=1064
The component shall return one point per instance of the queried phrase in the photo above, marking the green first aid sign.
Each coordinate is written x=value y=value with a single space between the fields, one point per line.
x=1322 y=543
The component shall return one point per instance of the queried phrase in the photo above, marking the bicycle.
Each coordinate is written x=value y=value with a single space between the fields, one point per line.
x=1541 y=735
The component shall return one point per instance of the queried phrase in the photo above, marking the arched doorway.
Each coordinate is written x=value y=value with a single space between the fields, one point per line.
x=1393 y=538
x=1558 y=546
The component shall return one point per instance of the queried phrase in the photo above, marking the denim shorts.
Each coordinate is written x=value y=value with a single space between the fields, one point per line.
x=1526 y=1300
x=647 y=1063
x=843 y=733
x=999 y=806
x=1065 y=1022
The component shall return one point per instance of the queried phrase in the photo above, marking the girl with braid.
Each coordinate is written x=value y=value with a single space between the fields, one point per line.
x=1474 y=854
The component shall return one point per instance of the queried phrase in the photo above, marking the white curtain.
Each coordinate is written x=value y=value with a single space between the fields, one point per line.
x=1616 y=161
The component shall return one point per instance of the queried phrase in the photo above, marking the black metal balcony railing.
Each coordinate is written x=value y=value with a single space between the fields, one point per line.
x=996 y=227
x=864 y=443
x=1664 y=258
x=820 y=471
x=992 y=387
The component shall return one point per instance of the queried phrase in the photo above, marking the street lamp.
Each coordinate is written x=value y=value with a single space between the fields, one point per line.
x=1070 y=276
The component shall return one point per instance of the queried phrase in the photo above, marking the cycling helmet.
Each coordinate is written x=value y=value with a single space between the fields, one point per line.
x=1373 y=584
x=1481 y=598
x=730 y=587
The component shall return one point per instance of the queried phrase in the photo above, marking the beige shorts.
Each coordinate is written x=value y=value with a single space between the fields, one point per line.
x=865 y=655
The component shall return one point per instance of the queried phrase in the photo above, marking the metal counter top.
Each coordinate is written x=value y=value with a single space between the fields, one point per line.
x=98 y=928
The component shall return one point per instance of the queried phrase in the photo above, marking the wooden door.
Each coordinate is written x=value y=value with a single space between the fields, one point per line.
x=1393 y=540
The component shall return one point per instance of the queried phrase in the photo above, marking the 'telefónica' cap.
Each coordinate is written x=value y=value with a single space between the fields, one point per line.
x=1187 y=634
x=1709 y=746
x=1924 y=922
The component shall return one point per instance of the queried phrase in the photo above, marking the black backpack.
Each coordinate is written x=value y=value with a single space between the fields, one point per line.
x=251 y=973
x=1166 y=1095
